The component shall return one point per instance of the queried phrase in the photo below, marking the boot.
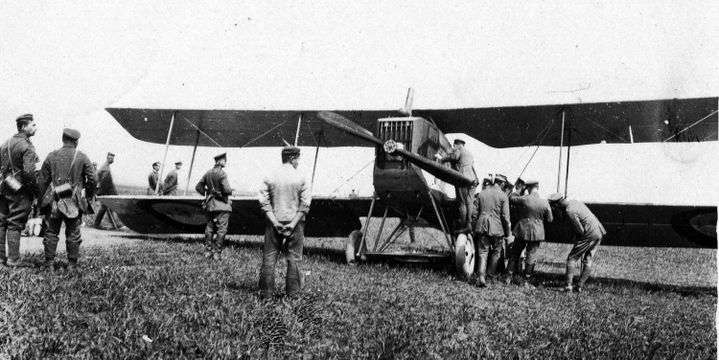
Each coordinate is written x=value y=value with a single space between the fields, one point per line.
x=13 y=244
x=72 y=267
x=49 y=265
x=208 y=245
x=492 y=263
x=586 y=273
x=529 y=271
x=482 y=270
x=569 y=275
x=219 y=245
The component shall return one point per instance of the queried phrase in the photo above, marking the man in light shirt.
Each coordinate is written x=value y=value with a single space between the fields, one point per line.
x=285 y=199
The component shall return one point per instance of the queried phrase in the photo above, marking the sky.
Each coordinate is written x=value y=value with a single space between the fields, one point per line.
x=67 y=61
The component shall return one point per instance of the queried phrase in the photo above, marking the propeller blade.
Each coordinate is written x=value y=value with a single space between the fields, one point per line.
x=442 y=172
x=348 y=126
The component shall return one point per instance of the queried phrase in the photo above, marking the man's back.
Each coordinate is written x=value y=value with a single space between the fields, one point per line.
x=584 y=222
x=285 y=192
x=532 y=213
x=493 y=212
x=56 y=169
x=22 y=162
x=215 y=181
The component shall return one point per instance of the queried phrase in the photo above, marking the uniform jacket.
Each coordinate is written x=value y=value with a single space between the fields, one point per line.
x=171 y=182
x=55 y=170
x=24 y=159
x=105 y=185
x=215 y=182
x=152 y=180
x=492 y=212
x=285 y=193
x=533 y=211
x=584 y=223
x=462 y=161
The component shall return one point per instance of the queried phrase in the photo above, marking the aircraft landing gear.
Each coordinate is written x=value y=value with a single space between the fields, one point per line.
x=464 y=256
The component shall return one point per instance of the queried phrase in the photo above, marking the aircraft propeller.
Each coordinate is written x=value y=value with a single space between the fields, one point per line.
x=390 y=146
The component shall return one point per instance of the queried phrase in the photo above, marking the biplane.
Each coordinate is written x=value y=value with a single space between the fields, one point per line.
x=405 y=171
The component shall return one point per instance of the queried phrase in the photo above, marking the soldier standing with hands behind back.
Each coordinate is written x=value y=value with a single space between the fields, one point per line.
x=18 y=187
x=218 y=206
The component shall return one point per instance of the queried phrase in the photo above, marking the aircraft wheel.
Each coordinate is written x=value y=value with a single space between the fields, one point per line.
x=464 y=256
x=353 y=243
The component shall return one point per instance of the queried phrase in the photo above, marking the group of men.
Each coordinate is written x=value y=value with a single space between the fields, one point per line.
x=64 y=189
x=169 y=186
x=284 y=197
x=67 y=182
x=486 y=215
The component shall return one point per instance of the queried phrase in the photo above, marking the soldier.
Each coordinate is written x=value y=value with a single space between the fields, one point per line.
x=18 y=188
x=218 y=206
x=105 y=186
x=152 y=180
x=588 y=234
x=285 y=198
x=171 y=180
x=492 y=227
x=69 y=169
x=462 y=161
x=533 y=210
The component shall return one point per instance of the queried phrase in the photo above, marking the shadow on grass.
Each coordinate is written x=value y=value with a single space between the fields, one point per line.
x=608 y=284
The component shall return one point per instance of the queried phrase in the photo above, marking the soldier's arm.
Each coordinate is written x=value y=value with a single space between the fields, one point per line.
x=516 y=198
x=225 y=184
x=576 y=223
x=505 y=217
x=200 y=187
x=266 y=204
x=90 y=179
x=29 y=158
x=44 y=177
x=548 y=213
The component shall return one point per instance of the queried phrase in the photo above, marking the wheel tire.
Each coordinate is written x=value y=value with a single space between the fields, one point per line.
x=464 y=256
x=353 y=243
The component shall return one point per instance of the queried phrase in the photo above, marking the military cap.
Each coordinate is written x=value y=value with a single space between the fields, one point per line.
x=519 y=181
x=459 y=141
x=156 y=163
x=290 y=151
x=220 y=156
x=531 y=183
x=71 y=133
x=110 y=154
x=486 y=181
x=178 y=162
x=24 y=117
x=500 y=177
x=555 y=197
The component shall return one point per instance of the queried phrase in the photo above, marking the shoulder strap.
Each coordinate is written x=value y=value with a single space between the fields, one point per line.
x=9 y=156
x=69 y=171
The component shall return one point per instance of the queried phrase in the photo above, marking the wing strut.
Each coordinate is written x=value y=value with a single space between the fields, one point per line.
x=192 y=161
x=561 y=144
x=569 y=152
x=164 y=158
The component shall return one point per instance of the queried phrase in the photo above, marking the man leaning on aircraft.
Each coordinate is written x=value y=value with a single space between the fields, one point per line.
x=462 y=161
x=588 y=234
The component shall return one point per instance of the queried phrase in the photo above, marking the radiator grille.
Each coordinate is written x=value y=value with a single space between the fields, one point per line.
x=397 y=130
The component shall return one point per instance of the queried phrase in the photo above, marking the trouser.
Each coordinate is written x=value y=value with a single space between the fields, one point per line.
x=101 y=214
x=72 y=237
x=217 y=222
x=489 y=249
x=465 y=203
x=14 y=212
x=531 y=255
x=270 y=251
x=584 y=250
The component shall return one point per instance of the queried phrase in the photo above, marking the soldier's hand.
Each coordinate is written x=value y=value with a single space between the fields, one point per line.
x=278 y=227
x=288 y=229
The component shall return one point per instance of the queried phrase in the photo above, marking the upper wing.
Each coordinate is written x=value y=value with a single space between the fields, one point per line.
x=613 y=122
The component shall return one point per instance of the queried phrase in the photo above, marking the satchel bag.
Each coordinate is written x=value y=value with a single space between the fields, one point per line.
x=10 y=182
x=64 y=190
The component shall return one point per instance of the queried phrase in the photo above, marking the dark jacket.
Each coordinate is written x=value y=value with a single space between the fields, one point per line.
x=170 y=187
x=23 y=162
x=105 y=184
x=492 y=212
x=215 y=184
x=533 y=211
x=584 y=223
x=56 y=168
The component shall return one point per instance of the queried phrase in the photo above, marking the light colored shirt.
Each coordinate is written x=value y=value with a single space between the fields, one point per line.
x=285 y=192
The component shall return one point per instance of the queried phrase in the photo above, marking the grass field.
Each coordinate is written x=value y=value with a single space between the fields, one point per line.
x=159 y=299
